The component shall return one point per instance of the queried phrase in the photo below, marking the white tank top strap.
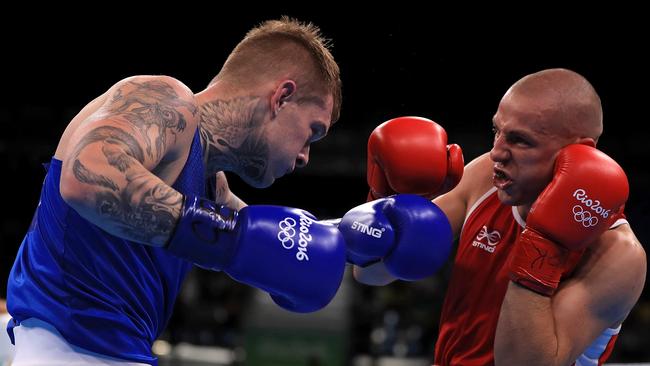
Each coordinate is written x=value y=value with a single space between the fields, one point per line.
x=478 y=202
x=618 y=223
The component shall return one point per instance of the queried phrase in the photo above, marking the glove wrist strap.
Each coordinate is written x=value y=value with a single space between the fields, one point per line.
x=537 y=263
x=204 y=233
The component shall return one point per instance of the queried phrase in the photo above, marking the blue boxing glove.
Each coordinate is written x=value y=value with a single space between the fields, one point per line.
x=409 y=233
x=284 y=251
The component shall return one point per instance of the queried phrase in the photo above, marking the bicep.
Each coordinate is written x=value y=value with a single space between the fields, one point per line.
x=106 y=181
x=105 y=153
x=601 y=294
x=147 y=118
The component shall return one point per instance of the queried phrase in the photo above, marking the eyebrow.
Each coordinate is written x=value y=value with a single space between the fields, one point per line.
x=516 y=133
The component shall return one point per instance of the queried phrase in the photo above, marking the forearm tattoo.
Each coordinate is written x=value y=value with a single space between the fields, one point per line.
x=142 y=209
x=232 y=134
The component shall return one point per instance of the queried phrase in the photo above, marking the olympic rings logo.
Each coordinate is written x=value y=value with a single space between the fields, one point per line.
x=594 y=204
x=584 y=217
x=287 y=232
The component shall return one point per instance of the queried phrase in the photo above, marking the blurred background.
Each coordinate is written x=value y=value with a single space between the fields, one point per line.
x=447 y=67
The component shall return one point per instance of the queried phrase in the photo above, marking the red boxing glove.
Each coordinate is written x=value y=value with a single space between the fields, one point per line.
x=581 y=202
x=411 y=155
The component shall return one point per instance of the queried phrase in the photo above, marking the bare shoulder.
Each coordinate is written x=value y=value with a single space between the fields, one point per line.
x=146 y=99
x=156 y=82
x=152 y=89
x=616 y=263
x=155 y=104
x=623 y=241
x=475 y=182
x=154 y=116
x=620 y=245
x=477 y=178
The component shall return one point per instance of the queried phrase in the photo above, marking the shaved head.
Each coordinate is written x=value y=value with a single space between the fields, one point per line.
x=568 y=104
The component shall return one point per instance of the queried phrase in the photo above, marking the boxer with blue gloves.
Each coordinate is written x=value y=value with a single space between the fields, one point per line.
x=120 y=224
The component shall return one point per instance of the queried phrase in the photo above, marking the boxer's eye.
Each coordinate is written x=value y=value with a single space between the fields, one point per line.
x=318 y=131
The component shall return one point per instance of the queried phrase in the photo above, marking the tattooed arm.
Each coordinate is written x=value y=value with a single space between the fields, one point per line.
x=144 y=125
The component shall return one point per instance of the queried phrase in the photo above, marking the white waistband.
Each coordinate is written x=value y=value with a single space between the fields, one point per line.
x=39 y=343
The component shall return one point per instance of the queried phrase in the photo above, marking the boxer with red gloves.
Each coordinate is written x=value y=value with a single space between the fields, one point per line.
x=547 y=267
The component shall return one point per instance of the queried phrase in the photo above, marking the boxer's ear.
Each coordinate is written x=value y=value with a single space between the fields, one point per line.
x=586 y=141
x=283 y=92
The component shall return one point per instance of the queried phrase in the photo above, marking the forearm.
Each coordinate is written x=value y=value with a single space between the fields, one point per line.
x=223 y=195
x=374 y=275
x=526 y=332
x=234 y=202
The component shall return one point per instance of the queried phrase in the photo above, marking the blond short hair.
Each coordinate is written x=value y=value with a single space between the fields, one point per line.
x=285 y=48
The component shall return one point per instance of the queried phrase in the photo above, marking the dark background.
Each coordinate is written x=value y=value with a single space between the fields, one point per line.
x=447 y=67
